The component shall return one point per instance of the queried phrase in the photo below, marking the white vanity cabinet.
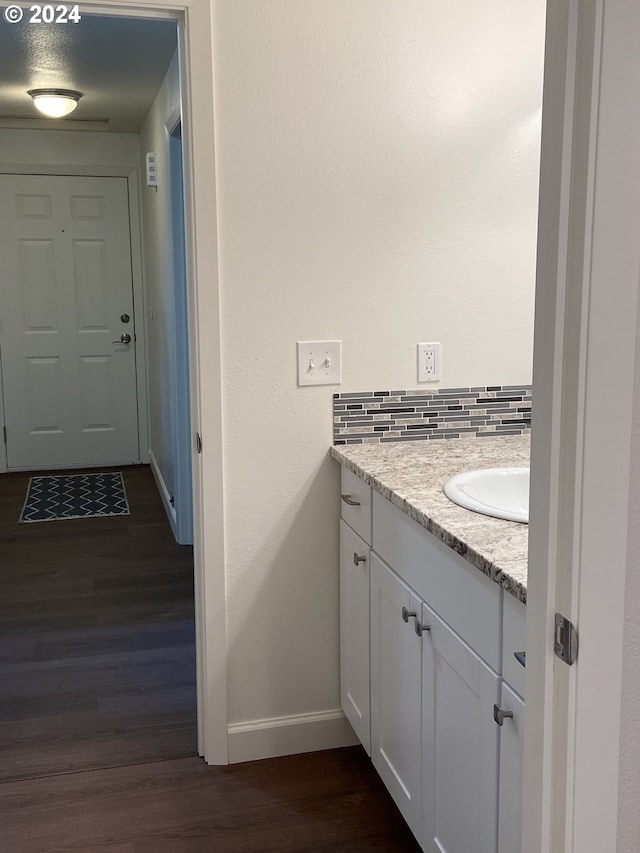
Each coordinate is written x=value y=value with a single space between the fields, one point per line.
x=422 y=654
x=433 y=737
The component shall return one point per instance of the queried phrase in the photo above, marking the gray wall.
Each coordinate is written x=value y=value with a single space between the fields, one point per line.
x=159 y=288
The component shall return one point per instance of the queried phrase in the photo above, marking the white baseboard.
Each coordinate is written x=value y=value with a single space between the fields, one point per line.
x=289 y=735
x=164 y=493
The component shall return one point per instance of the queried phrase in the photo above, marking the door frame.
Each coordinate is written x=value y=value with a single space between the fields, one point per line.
x=139 y=313
x=194 y=19
x=183 y=486
x=585 y=352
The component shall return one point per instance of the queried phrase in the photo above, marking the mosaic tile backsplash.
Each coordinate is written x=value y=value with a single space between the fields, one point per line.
x=378 y=416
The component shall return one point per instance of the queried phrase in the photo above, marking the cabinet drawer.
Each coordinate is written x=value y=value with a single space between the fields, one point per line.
x=357 y=514
x=470 y=602
x=515 y=622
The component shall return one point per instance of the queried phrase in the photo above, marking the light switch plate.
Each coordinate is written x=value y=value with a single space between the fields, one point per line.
x=152 y=168
x=319 y=362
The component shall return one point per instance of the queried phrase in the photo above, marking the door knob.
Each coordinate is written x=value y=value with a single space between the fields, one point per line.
x=124 y=339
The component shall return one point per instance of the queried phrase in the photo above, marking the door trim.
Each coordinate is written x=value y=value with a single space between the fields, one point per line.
x=139 y=311
x=581 y=502
x=183 y=514
x=195 y=27
x=194 y=19
x=3 y=446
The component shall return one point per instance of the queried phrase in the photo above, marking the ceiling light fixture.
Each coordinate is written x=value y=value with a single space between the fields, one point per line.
x=55 y=103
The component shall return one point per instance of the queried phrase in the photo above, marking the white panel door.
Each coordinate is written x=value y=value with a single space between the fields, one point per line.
x=354 y=633
x=396 y=691
x=65 y=283
x=460 y=745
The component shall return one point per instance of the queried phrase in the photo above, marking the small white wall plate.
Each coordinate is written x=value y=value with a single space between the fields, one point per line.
x=319 y=362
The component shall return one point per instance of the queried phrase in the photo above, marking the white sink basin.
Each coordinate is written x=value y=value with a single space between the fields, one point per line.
x=500 y=492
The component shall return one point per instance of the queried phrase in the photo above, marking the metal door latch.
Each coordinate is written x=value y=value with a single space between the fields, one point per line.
x=565 y=639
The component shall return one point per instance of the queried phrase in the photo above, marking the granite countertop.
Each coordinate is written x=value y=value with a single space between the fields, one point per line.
x=411 y=475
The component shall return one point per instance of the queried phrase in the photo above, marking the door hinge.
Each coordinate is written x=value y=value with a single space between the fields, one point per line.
x=4 y=434
x=198 y=443
x=565 y=639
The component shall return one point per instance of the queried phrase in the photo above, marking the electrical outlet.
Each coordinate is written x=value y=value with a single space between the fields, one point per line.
x=429 y=362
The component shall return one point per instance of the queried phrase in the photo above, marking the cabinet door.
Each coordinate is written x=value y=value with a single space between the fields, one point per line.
x=396 y=691
x=354 y=633
x=511 y=740
x=460 y=745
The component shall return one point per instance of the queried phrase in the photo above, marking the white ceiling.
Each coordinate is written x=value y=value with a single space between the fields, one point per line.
x=117 y=63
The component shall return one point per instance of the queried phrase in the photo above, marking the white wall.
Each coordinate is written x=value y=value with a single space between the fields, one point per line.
x=377 y=169
x=63 y=148
x=159 y=286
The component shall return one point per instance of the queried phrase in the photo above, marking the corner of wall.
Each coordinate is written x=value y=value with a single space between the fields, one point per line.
x=289 y=735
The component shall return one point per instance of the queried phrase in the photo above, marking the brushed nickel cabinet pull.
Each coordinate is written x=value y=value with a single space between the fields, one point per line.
x=422 y=626
x=349 y=500
x=500 y=716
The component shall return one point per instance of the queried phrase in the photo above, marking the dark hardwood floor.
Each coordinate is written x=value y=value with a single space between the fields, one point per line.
x=96 y=637
x=324 y=801
x=97 y=708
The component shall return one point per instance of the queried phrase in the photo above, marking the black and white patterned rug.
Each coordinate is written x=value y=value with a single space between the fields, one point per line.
x=55 y=498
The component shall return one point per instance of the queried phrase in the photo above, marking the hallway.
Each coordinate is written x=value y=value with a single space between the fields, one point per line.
x=97 y=656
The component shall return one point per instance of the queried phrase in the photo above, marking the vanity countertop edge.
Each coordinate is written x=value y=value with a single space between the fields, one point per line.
x=411 y=475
